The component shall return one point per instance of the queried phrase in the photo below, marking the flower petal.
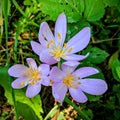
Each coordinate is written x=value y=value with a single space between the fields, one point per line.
x=78 y=95
x=41 y=38
x=36 y=47
x=45 y=57
x=33 y=90
x=76 y=57
x=71 y=63
x=17 y=70
x=45 y=81
x=85 y=71
x=31 y=62
x=19 y=83
x=93 y=86
x=59 y=91
x=56 y=74
x=45 y=33
x=44 y=68
x=80 y=40
x=60 y=29
x=68 y=69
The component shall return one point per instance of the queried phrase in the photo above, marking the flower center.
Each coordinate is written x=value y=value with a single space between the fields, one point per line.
x=59 y=35
x=58 y=51
x=34 y=75
x=70 y=81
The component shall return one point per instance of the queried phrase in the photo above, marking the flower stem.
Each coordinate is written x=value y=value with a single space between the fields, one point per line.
x=67 y=100
x=59 y=65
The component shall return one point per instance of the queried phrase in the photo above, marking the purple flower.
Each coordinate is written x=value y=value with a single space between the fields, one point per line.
x=76 y=82
x=53 y=48
x=32 y=76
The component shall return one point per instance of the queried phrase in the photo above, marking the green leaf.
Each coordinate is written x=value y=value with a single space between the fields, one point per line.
x=27 y=114
x=116 y=90
x=69 y=7
x=112 y=58
x=89 y=113
x=93 y=98
x=96 y=56
x=116 y=69
x=117 y=114
x=111 y=3
x=6 y=7
x=94 y=10
x=34 y=103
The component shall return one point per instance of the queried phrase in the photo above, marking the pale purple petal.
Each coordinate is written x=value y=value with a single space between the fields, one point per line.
x=42 y=40
x=80 y=40
x=93 y=86
x=37 y=48
x=59 y=91
x=44 y=69
x=76 y=57
x=68 y=69
x=85 y=72
x=31 y=62
x=19 y=83
x=45 y=33
x=60 y=29
x=45 y=81
x=78 y=95
x=71 y=63
x=17 y=70
x=33 y=90
x=56 y=74
x=45 y=57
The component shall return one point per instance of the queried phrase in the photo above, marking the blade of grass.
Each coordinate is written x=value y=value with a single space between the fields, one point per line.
x=52 y=112
x=18 y=7
x=1 y=22
x=16 y=43
x=6 y=9
x=5 y=13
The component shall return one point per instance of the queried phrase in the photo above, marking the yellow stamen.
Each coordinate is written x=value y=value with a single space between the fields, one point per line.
x=32 y=83
x=51 y=82
x=27 y=74
x=79 y=83
x=22 y=83
x=57 y=54
x=65 y=45
x=33 y=75
x=69 y=50
x=68 y=80
x=29 y=68
x=59 y=35
x=51 y=41
x=48 y=45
